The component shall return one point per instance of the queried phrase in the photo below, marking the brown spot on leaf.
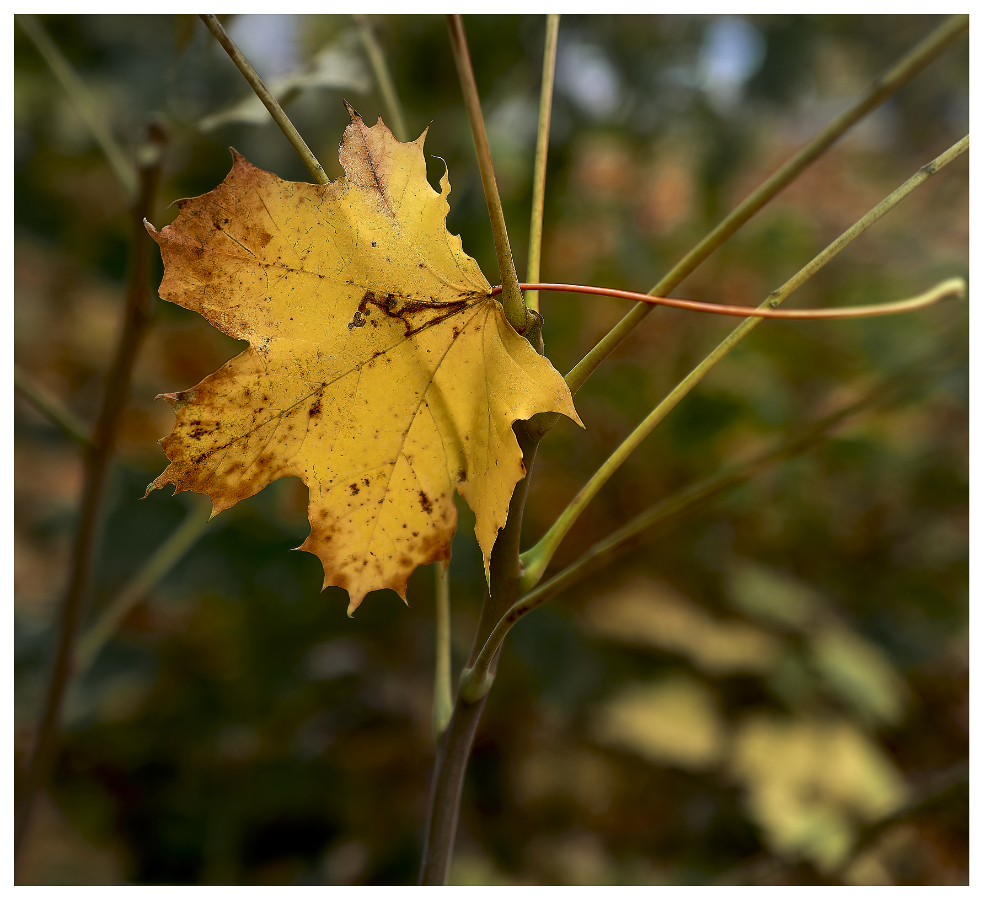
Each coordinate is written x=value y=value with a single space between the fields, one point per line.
x=425 y=503
x=353 y=488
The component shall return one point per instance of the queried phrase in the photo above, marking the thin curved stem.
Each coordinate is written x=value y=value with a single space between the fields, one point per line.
x=909 y=66
x=269 y=101
x=536 y=559
x=383 y=78
x=542 y=150
x=515 y=308
x=952 y=287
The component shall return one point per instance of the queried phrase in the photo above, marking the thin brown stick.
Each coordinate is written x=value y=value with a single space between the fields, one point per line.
x=140 y=302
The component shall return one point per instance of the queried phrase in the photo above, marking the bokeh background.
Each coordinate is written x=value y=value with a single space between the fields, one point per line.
x=772 y=690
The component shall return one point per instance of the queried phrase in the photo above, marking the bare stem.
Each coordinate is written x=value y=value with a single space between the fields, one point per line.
x=515 y=308
x=139 y=311
x=383 y=78
x=536 y=559
x=542 y=149
x=887 y=84
x=269 y=101
x=66 y=421
x=84 y=103
x=443 y=699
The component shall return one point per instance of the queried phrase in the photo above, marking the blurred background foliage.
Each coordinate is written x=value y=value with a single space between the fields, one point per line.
x=769 y=691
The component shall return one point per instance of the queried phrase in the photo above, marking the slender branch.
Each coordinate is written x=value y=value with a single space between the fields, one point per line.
x=515 y=308
x=474 y=681
x=181 y=540
x=447 y=781
x=542 y=149
x=443 y=700
x=536 y=559
x=67 y=422
x=139 y=311
x=269 y=101
x=909 y=66
x=952 y=287
x=84 y=103
x=383 y=78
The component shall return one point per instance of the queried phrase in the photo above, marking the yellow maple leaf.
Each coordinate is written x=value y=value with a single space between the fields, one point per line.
x=380 y=370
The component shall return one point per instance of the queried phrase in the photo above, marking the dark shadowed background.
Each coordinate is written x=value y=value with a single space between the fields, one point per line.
x=746 y=698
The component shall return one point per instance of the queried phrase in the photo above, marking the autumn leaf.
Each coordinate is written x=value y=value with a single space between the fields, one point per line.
x=379 y=369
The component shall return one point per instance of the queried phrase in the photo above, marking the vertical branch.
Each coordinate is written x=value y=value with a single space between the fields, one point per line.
x=269 y=101
x=515 y=308
x=443 y=700
x=542 y=148
x=377 y=59
x=138 y=314
x=447 y=781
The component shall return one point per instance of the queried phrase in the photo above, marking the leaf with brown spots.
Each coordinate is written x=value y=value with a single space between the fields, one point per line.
x=379 y=370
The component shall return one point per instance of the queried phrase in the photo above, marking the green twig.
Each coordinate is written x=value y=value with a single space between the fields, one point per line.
x=181 y=540
x=542 y=149
x=643 y=527
x=269 y=101
x=84 y=103
x=909 y=66
x=537 y=558
x=67 y=422
x=383 y=78
x=515 y=308
x=443 y=699
x=137 y=318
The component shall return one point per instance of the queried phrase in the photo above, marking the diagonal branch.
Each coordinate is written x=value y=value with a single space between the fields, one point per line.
x=887 y=84
x=269 y=101
x=537 y=558
x=66 y=421
x=475 y=681
x=84 y=103
x=383 y=78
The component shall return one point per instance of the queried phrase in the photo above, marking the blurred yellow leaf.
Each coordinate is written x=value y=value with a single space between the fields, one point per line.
x=673 y=722
x=861 y=674
x=380 y=371
x=810 y=780
x=650 y=614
